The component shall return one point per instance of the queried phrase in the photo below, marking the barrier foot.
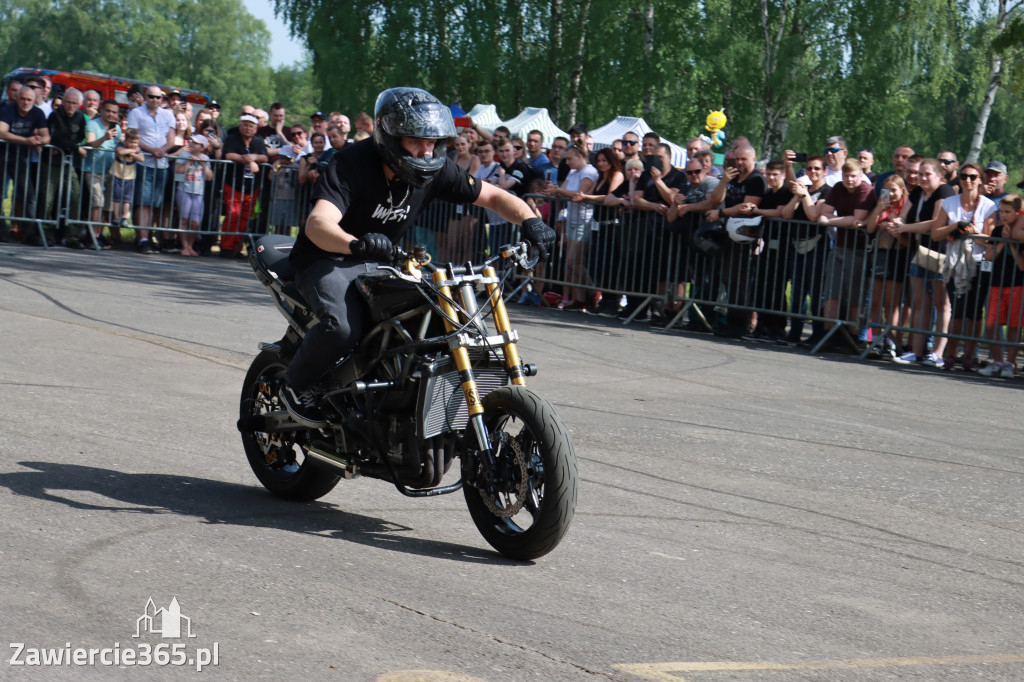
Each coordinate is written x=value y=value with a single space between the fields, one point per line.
x=639 y=309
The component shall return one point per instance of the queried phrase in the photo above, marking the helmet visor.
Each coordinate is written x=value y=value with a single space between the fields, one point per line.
x=428 y=120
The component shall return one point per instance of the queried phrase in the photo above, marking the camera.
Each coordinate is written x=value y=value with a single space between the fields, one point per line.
x=800 y=157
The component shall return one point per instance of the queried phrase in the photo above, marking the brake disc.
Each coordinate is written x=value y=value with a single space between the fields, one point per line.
x=509 y=453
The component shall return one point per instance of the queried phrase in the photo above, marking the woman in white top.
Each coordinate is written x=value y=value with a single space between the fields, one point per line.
x=958 y=219
x=579 y=216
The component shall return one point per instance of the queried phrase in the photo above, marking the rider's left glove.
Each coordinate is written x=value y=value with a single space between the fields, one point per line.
x=373 y=246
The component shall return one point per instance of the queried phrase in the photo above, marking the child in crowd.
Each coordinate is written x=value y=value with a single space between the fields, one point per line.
x=191 y=171
x=1004 y=264
x=126 y=155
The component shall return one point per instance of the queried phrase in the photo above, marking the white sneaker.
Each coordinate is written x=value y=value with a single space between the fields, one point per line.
x=991 y=370
x=933 y=360
x=1008 y=372
x=906 y=359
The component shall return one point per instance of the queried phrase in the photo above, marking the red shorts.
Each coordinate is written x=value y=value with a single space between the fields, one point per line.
x=1005 y=306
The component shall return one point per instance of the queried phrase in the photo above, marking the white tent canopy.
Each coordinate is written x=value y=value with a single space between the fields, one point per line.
x=486 y=116
x=535 y=118
x=615 y=129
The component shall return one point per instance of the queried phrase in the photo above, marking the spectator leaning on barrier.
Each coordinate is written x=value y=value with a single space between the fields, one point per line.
x=309 y=164
x=959 y=219
x=91 y=104
x=247 y=152
x=557 y=149
x=772 y=275
x=67 y=133
x=890 y=267
x=101 y=137
x=275 y=135
x=127 y=157
x=24 y=128
x=847 y=207
x=156 y=128
x=1006 y=295
x=742 y=190
x=810 y=246
x=927 y=290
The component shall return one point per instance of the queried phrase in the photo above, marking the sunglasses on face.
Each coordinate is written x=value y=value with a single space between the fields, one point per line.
x=517 y=147
x=969 y=176
x=631 y=142
x=694 y=172
x=154 y=96
x=833 y=150
x=946 y=162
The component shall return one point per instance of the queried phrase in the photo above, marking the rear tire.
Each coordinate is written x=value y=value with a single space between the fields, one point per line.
x=277 y=459
x=527 y=517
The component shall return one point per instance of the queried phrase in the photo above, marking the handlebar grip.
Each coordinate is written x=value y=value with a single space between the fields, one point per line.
x=357 y=248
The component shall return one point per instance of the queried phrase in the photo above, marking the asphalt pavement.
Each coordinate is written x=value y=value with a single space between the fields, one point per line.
x=746 y=512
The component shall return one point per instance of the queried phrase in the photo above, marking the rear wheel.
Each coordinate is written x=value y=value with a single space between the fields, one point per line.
x=532 y=494
x=278 y=459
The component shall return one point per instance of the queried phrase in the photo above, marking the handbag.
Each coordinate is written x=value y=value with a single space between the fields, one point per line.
x=930 y=260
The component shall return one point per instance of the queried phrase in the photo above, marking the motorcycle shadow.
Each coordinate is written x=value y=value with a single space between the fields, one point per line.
x=219 y=502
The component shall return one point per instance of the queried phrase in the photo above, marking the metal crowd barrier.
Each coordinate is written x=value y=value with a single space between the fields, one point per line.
x=791 y=274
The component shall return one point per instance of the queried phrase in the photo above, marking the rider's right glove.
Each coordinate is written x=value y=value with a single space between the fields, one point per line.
x=536 y=232
x=373 y=246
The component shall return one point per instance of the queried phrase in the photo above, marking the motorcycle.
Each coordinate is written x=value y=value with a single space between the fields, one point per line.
x=429 y=384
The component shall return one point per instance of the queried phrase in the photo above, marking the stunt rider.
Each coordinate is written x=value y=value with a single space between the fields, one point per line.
x=370 y=194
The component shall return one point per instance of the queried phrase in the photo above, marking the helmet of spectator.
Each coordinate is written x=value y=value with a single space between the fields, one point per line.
x=744 y=230
x=412 y=112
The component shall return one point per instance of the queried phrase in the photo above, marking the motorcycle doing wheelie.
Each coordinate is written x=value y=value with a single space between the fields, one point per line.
x=429 y=384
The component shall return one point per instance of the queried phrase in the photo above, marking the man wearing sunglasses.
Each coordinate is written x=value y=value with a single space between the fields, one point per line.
x=630 y=147
x=156 y=135
x=950 y=167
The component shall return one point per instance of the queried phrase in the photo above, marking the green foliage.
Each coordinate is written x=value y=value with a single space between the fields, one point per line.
x=213 y=45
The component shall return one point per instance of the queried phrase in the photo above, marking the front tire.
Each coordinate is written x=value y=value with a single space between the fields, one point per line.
x=277 y=459
x=530 y=510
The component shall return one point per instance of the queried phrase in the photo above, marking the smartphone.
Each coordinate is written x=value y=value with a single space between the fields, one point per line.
x=883 y=196
x=800 y=157
x=551 y=175
x=652 y=161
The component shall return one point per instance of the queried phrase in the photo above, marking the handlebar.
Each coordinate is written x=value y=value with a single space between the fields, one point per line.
x=518 y=253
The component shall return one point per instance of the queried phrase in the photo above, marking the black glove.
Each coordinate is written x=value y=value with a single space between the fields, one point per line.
x=373 y=246
x=536 y=233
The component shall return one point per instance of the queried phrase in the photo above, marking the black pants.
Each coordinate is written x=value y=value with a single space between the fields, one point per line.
x=328 y=285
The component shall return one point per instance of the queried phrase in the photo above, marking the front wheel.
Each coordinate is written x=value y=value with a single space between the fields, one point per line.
x=278 y=459
x=524 y=507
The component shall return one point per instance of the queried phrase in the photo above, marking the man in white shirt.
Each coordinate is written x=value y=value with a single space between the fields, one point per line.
x=156 y=137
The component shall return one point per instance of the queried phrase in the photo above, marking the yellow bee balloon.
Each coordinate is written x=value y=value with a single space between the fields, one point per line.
x=715 y=121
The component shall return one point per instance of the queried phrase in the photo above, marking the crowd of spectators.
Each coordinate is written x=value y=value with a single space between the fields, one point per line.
x=763 y=245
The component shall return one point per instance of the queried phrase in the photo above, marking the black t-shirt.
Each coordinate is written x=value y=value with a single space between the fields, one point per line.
x=1005 y=272
x=674 y=180
x=239 y=176
x=354 y=181
x=754 y=186
x=522 y=174
x=926 y=211
x=66 y=132
x=271 y=138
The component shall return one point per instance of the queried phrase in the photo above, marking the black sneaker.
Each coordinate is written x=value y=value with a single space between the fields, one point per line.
x=303 y=407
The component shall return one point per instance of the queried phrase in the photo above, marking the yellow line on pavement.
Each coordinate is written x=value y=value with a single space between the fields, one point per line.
x=669 y=672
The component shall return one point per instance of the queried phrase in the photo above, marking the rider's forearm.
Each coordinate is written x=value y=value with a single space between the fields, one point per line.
x=507 y=205
x=328 y=235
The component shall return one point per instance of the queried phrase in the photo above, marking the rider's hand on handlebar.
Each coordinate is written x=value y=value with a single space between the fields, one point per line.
x=538 y=234
x=373 y=246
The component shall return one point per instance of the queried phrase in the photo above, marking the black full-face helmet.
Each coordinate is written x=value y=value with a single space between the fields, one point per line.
x=411 y=112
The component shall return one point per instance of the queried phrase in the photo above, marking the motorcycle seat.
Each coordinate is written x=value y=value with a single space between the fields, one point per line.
x=271 y=254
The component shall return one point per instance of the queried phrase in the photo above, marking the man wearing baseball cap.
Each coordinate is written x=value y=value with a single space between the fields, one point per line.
x=247 y=152
x=995 y=180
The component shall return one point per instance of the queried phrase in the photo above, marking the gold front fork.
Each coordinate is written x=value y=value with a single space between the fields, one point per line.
x=460 y=354
x=501 y=323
